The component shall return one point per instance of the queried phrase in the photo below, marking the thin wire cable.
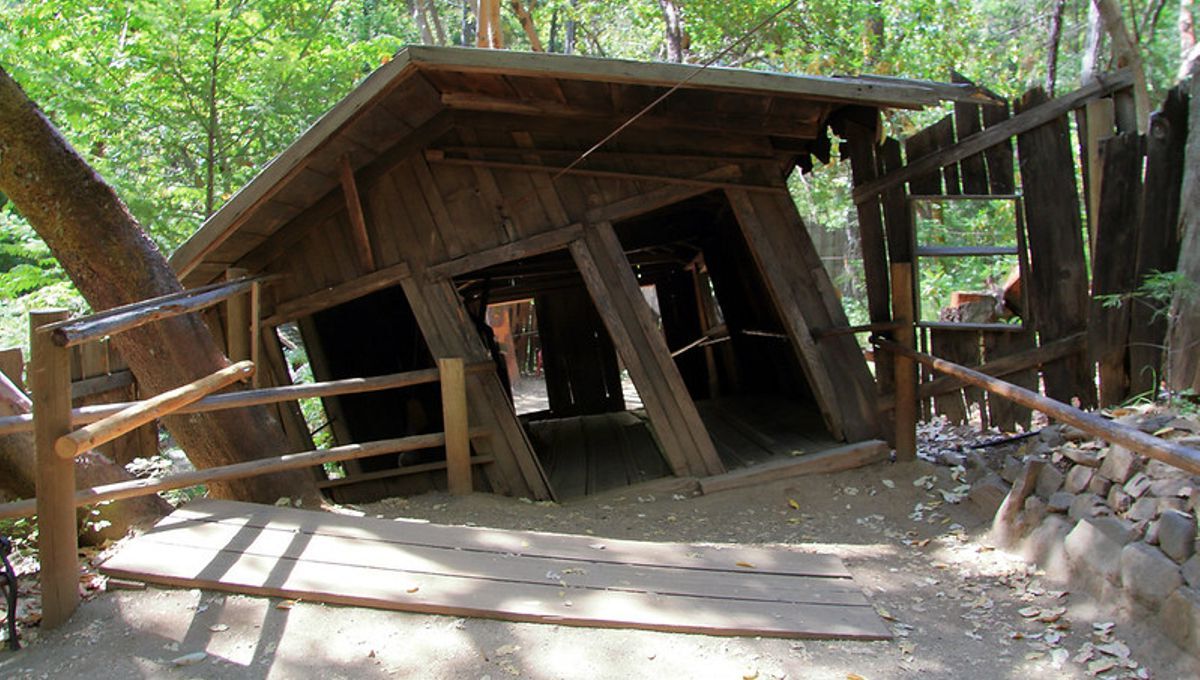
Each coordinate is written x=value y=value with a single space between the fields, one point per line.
x=646 y=109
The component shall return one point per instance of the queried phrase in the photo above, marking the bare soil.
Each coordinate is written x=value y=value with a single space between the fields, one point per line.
x=958 y=607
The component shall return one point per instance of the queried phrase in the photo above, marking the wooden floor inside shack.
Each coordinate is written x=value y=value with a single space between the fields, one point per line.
x=584 y=455
x=493 y=573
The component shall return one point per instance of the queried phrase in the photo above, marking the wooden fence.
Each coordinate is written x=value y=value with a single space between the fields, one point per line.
x=58 y=442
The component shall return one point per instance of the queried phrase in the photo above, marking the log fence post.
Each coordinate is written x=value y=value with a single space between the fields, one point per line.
x=905 y=368
x=58 y=542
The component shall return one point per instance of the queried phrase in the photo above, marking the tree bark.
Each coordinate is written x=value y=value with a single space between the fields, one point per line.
x=674 y=30
x=418 y=12
x=1188 y=48
x=1128 y=54
x=18 y=467
x=1056 y=21
x=112 y=262
x=1184 y=344
x=526 y=19
x=488 y=33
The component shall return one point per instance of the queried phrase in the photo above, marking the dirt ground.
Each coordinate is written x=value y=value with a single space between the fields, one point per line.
x=958 y=608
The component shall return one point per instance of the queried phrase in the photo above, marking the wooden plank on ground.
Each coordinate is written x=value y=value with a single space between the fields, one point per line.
x=834 y=460
x=513 y=575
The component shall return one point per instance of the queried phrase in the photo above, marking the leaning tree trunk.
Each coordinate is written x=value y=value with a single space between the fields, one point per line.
x=18 y=470
x=112 y=262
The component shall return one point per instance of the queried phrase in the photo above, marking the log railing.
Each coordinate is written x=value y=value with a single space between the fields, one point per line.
x=51 y=336
x=1169 y=452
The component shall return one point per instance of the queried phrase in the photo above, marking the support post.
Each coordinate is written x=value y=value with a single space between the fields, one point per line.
x=255 y=330
x=905 y=368
x=454 y=423
x=58 y=543
x=237 y=324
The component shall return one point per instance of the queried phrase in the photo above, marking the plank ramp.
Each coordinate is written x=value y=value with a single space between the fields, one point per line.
x=491 y=573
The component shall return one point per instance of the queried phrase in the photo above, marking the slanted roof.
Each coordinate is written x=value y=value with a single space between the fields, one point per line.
x=403 y=106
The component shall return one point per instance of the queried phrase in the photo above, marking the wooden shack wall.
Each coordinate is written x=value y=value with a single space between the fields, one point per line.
x=470 y=195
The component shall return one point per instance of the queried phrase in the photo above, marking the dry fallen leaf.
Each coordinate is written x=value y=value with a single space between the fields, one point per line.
x=413 y=589
x=286 y=604
x=792 y=502
x=218 y=628
x=746 y=565
x=1029 y=612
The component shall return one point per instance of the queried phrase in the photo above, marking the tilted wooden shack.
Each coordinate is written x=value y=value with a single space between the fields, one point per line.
x=451 y=179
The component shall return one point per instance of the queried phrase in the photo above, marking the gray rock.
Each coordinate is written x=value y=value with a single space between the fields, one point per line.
x=1165 y=504
x=1081 y=456
x=988 y=493
x=1191 y=571
x=1012 y=469
x=1118 y=500
x=1089 y=548
x=1085 y=505
x=1120 y=530
x=1078 y=478
x=1060 y=502
x=1160 y=470
x=1144 y=510
x=1052 y=436
x=1148 y=575
x=1177 y=534
x=1138 y=485
x=1119 y=464
x=1179 y=618
x=1073 y=434
x=1099 y=486
x=1049 y=481
x=1151 y=533
x=1034 y=512
x=1170 y=487
x=1046 y=545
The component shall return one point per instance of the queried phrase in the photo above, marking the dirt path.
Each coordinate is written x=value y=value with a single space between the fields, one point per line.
x=958 y=608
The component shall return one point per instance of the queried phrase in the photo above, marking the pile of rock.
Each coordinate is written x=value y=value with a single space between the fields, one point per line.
x=1115 y=523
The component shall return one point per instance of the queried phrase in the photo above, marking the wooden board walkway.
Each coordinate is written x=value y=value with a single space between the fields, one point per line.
x=512 y=575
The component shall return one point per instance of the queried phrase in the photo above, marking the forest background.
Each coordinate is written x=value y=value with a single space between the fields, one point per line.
x=177 y=103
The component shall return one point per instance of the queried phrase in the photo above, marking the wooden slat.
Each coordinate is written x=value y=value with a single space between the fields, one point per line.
x=454 y=422
x=358 y=223
x=526 y=247
x=1027 y=120
x=1058 y=284
x=325 y=298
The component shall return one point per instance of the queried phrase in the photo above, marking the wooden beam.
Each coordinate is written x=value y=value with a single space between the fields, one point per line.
x=660 y=197
x=526 y=247
x=73 y=332
x=100 y=384
x=1135 y=440
x=358 y=222
x=397 y=472
x=981 y=141
x=666 y=179
x=325 y=298
x=454 y=423
x=238 y=336
x=291 y=461
x=58 y=545
x=167 y=403
x=834 y=460
x=905 y=370
x=633 y=155
x=778 y=126
x=687 y=447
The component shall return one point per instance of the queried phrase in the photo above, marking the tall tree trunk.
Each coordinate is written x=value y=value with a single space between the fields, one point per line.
x=674 y=30
x=875 y=34
x=112 y=262
x=18 y=468
x=569 y=32
x=1188 y=48
x=418 y=13
x=1093 y=42
x=435 y=18
x=1128 y=54
x=488 y=33
x=1184 y=345
x=526 y=19
x=1056 y=21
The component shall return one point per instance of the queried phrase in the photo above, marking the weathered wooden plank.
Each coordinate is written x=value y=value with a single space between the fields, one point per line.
x=312 y=303
x=1158 y=235
x=834 y=460
x=967 y=122
x=1002 y=413
x=1033 y=118
x=1058 y=281
x=863 y=167
x=951 y=345
x=525 y=247
x=1113 y=270
x=358 y=223
x=615 y=291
